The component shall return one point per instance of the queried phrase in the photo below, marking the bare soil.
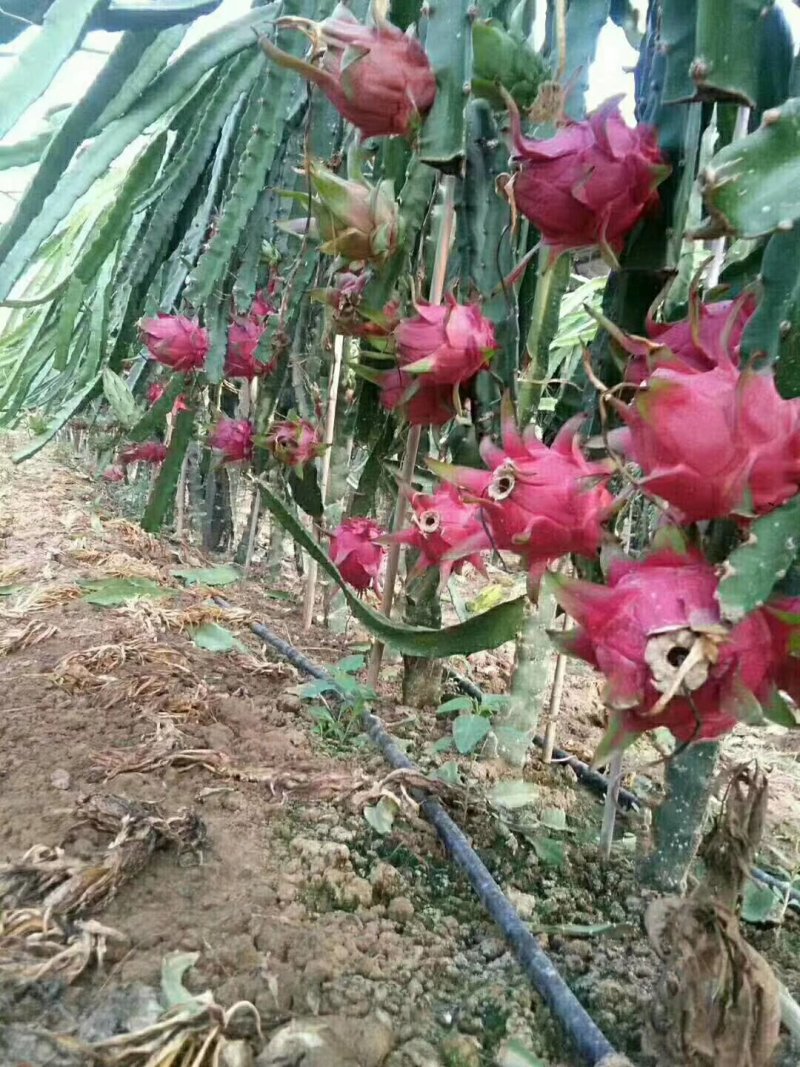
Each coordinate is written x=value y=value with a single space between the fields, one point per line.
x=290 y=900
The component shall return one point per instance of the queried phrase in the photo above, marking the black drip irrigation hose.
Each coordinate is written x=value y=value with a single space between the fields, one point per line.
x=591 y=1044
x=585 y=774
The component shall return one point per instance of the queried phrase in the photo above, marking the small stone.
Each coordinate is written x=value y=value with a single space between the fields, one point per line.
x=288 y=702
x=462 y=1050
x=525 y=903
x=60 y=779
x=400 y=910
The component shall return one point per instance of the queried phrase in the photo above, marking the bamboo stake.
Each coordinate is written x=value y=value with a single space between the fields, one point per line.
x=610 y=804
x=325 y=471
x=554 y=707
x=443 y=242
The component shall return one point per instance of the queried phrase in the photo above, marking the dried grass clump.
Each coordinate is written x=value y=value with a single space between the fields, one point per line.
x=35 y=946
x=33 y=633
x=118 y=564
x=48 y=877
x=155 y=618
x=90 y=668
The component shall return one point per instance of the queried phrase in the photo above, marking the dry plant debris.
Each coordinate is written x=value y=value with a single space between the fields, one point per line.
x=156 y=618
x=48 y=877
x=31 y=633
x=90 y=668
x=34 y=946
x=118 y=564
x=194 y=1031
x=718 y=1001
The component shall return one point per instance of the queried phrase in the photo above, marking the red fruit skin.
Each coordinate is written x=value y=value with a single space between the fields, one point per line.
x=233 y=440
x=591 y=183
x=176 y=342
x=711 y=336
x=540 y=502
x=446 y=531
x=114 y=474
x=664 y=592
x=714 y=443
x=447 y=342
x=262 y=307
x=240 y=361
x=357 y=553
x=156 y=391
x=378 y=79
x=148 y=452
x=296 y=443
x=422 y=402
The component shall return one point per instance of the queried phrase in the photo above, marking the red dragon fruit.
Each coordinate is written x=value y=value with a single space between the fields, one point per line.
x=240 y=361
x=233 y=440
x=114 y=474
x=379 y=79
x=709 y=337
x=591 y=183
x=177 y=342
x=422 y=402
x=540 y=502
x=262 y=307
x=157 y=390
x=358 y=554
x=656 y=634
x=295 y=442
x=149 y=452
x=446 y=531
x=715 y=442
x=448 y=343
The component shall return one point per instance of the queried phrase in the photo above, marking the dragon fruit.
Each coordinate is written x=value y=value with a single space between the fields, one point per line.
x=233 y=440
x=715 y=442
x=114 y=474
x=422 y=402
x=711 y=336
x=295 y=442
x=448 y=343
x=591 y=183
x=240 y=361
x=350 y=318
x=380 y=79
x=149 y=452
x=176 y=341
x=656 y=634
x=157 y=390
x=540 y=502
x=446 y=531
x=357 y=552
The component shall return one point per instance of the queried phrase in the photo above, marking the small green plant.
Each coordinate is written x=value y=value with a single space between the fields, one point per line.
x=472 y=724
x=342 y=702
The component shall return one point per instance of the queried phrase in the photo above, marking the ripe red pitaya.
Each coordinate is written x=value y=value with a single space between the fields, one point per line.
x=149 y=452
x=715 y=442
x=357 y=552
x=114 y=474
x=709 y=337
x=176 y=341
x=377 y=77
x=540 y=502
x=656 y=634
x=446 y=531
x=421 y=402
x=448 y=343
x=240 y=361
x=591 y=183
x=233 y=440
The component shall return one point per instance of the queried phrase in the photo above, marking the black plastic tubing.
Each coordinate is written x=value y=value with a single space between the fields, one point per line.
x=589 y=1041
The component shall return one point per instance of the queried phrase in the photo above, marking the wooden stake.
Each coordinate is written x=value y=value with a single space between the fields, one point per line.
x=443 y=242
x=325 y=471
x=610 y=806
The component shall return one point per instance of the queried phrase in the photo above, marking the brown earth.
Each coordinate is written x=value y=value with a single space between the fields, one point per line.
x=288 y=897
